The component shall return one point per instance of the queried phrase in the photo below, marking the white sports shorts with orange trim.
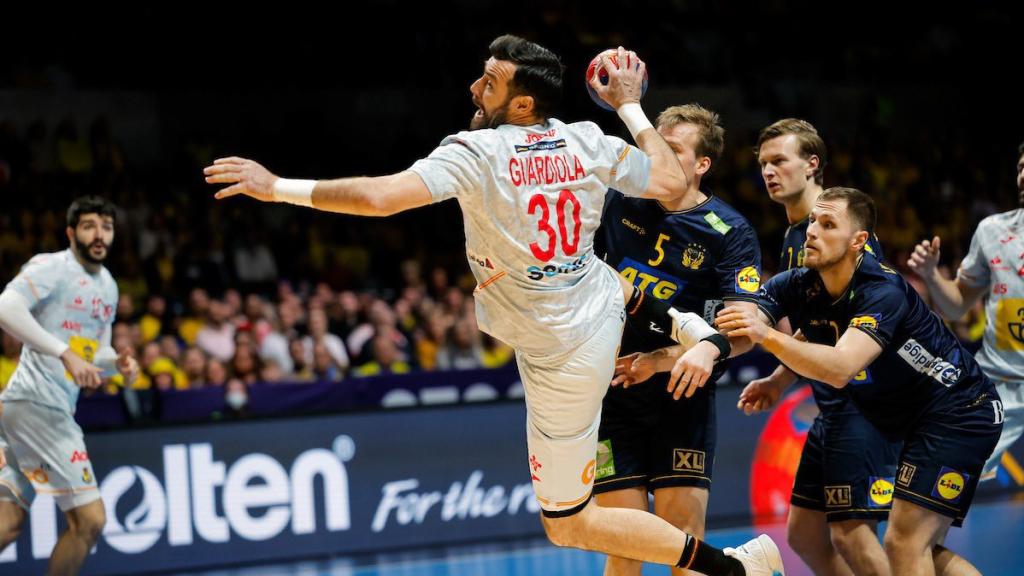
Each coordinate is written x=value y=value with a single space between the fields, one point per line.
x=49 y=457
x=563 y=414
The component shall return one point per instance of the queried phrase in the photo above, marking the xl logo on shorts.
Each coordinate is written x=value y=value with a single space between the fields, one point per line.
x=79 y=456
x=688 y=461
x=837 y=496
x=950 y=485
x=906 y=474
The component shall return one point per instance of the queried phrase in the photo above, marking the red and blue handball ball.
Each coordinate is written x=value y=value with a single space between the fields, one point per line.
x=602 y=75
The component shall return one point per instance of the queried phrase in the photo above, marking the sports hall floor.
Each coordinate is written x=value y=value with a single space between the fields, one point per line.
x=992 y=538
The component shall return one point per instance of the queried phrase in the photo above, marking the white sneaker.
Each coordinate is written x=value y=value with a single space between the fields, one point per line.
x=760 y=557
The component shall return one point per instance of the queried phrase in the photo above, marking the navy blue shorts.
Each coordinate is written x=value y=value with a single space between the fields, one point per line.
x=943 y=457
x=847 y=469
x=648 y=439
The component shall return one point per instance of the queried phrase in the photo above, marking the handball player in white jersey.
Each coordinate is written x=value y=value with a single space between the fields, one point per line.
x=994 y=270
x=61 y=306
x=531 y=189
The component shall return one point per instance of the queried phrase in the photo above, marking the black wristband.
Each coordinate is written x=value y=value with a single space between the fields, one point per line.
x=723 y=345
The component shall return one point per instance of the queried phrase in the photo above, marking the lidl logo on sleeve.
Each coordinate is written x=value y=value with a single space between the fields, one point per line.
x=880 y=492
x=950 y=484
x=869 y=322
x=605 y=459
x=748 y=280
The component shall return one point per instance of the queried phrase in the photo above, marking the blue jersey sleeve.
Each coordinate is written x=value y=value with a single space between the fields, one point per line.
x=878 y=310
x=776 y=297
x=739 y=269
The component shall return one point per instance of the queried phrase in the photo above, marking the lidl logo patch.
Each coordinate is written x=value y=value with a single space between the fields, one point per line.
x=950 y=484
x=880 y=492
x=748 y=280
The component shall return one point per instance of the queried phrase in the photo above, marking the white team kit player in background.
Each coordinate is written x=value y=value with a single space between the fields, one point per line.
x=531 y=189
x=994 y=269
x=61 y=306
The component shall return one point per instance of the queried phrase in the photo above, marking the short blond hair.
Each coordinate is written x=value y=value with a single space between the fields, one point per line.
x=712 y=135
x=806 y=134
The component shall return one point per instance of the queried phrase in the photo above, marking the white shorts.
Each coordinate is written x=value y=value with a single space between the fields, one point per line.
x=563 y=412
x=46 y=454
x=1012 y=396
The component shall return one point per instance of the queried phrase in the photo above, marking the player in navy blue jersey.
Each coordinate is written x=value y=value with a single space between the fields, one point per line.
x=843 y=485
x=695 y=253
x=869 y=333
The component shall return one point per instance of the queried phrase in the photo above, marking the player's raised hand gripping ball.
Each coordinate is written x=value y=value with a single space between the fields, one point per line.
x=599 y=67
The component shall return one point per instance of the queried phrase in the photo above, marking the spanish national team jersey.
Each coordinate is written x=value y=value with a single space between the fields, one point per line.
x=531 y=198
x=828 y=398
x=996 y=261
x=923 y=368
x=693 y=259
x=75 y=306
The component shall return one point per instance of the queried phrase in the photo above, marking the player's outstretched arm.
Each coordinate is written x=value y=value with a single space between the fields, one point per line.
x=360 y=196
x=623 y=92
x=953 y=298
x=834 y=365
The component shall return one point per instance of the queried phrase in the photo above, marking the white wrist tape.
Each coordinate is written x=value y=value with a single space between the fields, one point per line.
x=299 y=192
x=634 y=118
x=688 y=328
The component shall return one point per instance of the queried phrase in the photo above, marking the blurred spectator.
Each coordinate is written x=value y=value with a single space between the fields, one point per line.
x=271 y=373
x=254 y=319
x=190 y=325
x=318 y=336
x=386 y=358
x=170 y=348
x=216 y=373
x=254 y=263
x=152 y=321
x=236 y=398
x=302 y=370
x=325 y=369
x=463 y=350
x=495 y=352
x=217 y=336
x=193 y=365
x=432 y=338
x=245 y=365
x=11 y=354
x=274 y=347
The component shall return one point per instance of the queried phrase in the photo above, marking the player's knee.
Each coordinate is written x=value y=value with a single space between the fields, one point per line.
x=843 y=539
x=805 y=545
x=89 y=525
x=12 y=518
x=901 y=544
x=565 y=531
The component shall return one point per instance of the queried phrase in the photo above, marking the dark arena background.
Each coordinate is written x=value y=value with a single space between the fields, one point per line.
x=375 y=430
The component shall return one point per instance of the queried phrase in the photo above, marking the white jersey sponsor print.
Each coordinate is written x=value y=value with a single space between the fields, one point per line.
x=75 y=306
x=531 y=198
x=996 y=260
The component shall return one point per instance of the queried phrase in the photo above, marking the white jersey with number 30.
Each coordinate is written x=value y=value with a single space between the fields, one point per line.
x=531 y=197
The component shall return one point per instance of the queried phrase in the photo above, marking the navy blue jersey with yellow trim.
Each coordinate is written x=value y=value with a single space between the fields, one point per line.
x=923 y=368
x=793 y=246
x=693 y=259
x=828 y=398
